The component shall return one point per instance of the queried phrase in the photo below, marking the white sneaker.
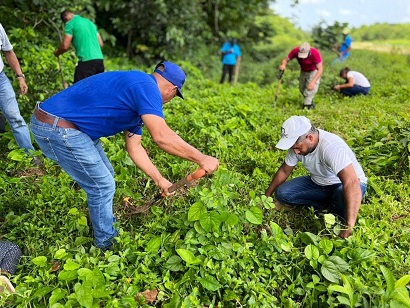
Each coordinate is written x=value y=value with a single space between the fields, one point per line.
x=5 y=284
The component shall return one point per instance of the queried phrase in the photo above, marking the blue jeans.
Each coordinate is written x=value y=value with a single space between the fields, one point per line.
x=10 y=109
x=355 y=90
x=84 y=160
x=302 y=191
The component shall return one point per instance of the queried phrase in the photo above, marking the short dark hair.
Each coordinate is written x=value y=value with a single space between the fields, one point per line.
x=64 y=15
x=344 y=71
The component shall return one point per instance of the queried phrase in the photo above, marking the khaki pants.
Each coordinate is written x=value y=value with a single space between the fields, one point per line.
x=304 y=79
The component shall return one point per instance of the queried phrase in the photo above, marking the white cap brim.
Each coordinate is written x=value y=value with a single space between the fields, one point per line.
x=286 y=143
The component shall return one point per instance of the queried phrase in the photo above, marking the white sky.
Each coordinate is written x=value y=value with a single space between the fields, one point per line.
x=309 y=13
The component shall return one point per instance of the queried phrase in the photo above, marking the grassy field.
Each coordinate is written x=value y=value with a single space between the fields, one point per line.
x=220 y=243
x=397 y=47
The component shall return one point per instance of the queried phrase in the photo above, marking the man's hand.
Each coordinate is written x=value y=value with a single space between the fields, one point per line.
x=311 y=86
x=23 y=86
x=164 y=184
x=209 y=163
x=337 y=88
x=346 y=232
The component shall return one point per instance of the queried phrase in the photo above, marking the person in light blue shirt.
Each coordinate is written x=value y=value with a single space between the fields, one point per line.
x=231 y=56
x=343 y=50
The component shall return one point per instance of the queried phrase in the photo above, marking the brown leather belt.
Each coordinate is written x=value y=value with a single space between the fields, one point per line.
x=49 y=119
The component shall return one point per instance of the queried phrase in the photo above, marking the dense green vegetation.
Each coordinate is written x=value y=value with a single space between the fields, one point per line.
x=218 y=243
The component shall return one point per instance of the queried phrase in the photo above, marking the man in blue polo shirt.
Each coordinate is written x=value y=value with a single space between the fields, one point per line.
x=231 y=56
x=67 y=128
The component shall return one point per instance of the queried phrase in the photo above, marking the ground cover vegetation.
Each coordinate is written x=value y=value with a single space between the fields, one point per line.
x=218 y=243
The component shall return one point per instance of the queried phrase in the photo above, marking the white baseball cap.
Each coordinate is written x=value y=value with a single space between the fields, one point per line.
x=292 y=129
x=304 y=50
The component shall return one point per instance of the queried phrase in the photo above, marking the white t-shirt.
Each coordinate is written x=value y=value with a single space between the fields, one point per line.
x=331 y=155
x=358 y=79
x=4 y=45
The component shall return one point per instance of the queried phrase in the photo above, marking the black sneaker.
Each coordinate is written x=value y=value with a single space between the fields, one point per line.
x=312 y=106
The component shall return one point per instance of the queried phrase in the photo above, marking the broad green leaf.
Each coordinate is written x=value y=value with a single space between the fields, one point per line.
x=84 y=272
x=311 y=252
x=112 y=269
x=326 y=246
x=56 y=295
x=358 y=255
x=402 y=296
x=195 y=211
x=333 y=267
x=73 y=211
x=84 y=295
x=42 y=291
x=388 y=277
x=70 y=265
x=277 y=231
x=40 y=261
x=402 y=282
x=97 y=280
x=67 y=275
x=209 y=282
x=60 y=254
x=82 y=221
x=174 y=264
x=232 y=220
x=330 y=219
x=210 y=221
x=188 y=256
x=254 y=215
x=153 y=245
x=343 y=300
x=17 y=155
x=114 y=259
x=309 y=238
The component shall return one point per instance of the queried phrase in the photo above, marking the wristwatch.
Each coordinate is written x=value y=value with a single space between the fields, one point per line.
x=20 y=76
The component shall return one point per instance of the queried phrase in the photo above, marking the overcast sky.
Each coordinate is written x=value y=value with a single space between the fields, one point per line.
x=309 y=13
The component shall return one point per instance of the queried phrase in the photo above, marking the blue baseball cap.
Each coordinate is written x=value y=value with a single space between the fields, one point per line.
x=173 y=73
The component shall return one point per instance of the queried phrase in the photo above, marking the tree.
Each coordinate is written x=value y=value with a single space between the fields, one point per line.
x=325 y=36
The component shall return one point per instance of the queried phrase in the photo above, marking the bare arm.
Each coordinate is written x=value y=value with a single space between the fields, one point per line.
x=283 y=64
x=65 y=44
x=12 y=60
x=170 y=142
x=317 y=76
x=140 y=157
x=100 y=40
x=349 y=84
x=280 y=177
x=353 y=197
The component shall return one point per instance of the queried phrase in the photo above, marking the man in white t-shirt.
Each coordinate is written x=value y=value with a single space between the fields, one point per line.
x=336 y=182
x=356 y=83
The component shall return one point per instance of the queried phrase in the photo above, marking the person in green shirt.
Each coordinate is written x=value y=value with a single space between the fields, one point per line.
x=83 y=34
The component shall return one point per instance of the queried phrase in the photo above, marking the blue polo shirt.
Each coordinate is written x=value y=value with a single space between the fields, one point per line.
x=230 y=58
x=108 y=103
x=347 y=42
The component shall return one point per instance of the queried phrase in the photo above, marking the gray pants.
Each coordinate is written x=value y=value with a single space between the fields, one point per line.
x=10 y=255
x=304 y=79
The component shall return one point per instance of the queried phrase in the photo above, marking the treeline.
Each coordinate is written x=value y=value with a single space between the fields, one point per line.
x=151 y=28
x=382 y=32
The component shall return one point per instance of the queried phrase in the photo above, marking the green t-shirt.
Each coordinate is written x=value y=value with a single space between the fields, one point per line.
x=85 y=39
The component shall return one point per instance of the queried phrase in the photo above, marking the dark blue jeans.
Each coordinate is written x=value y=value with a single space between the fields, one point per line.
x=302 y=191
x=355 y=90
